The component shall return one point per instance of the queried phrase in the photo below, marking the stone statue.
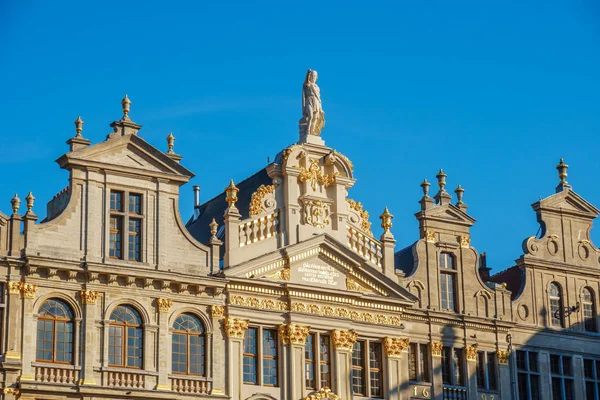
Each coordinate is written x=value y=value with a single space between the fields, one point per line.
x=313 y=117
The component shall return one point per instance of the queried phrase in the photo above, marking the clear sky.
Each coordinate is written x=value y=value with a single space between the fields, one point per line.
x=493 y=93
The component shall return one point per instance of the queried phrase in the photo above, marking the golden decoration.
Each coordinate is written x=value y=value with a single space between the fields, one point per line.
x=386 y=220
x=317 y=213
x=265 y=304
x=465 y=241
x=351 y=284
x=9 y=390
x=503 y=356
x=315 y=175
x=231 y=193
x=217 y=311
x=436 y=349
x=342 y=312
x=344 y=340
x=430 y=236
x=28 y=290
x=395 y=346
x=88 y=297
x=164 y=305
x=471 y=352
x=14 y=287
x=256 y=206
x=364 y=215
x=286 y=153
x=323 y=393
x=293 y=334
x=235 y=327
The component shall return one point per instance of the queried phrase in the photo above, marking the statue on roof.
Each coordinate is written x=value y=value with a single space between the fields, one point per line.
x=313 y=117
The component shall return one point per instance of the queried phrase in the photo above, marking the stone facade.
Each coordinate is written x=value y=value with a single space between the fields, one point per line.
x=277 y=288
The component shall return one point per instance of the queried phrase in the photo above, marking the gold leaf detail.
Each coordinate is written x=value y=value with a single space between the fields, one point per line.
x=364 y=215
x=256 y=203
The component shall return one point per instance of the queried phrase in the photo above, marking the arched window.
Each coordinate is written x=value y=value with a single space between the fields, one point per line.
x=589 y=310
x=125 y=342
x=188 y=346
x=556 y=306
x=55 y=332
x=447 y=282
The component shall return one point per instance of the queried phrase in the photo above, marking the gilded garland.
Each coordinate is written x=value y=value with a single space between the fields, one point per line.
x=315 y=175
x=256 y=203
x=364 y=215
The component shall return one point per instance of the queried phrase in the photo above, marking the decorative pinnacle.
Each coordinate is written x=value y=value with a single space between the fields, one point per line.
x=425 y=186
x=170 y=142
x=441 y=177
x=16 y=203
x=126 y=103
x=386 y=220
x=562 y=174
x=231 y=194
x=29 y=200
x=459 y=194
x=213 y=227
x=78 y=126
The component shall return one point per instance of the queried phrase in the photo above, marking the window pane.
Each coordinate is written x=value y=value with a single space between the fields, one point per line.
x=358 y=372
x=492 y=373
x=446 y=366
x=135 y=203
x=457 y=360
x=325 y=361
x=424 y=363
x=412 y=361
x=250 y=356
x=480 y=370
x=375 y=372
x=116 y=203
x=116 y=231
x=270 y=371
x=135 y=239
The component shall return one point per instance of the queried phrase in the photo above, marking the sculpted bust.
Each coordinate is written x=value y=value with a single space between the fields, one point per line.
x=313 y=117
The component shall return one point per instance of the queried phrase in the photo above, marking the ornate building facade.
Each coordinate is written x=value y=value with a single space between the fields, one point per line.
x=277 y=288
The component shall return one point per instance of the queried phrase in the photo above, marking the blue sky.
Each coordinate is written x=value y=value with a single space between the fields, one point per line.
x=494 y=94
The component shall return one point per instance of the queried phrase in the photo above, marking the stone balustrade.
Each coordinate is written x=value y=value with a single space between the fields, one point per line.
x=120 y=379
x=369 y=248
x=190 y=384
x=56 y=374
x=255 y=230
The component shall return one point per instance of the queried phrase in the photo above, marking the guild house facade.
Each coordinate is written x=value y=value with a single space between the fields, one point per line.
x=277 y=289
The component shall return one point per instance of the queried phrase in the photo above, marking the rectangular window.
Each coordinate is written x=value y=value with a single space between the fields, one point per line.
x=135 y=204
x=116 y=237
x=309 y=362
x=486 y=370
x=376 y=369
x=448 y=292
x=270 y=370
x=591 y=372
x=452 y=366
x=492 y=371
x=528 y=378
x=457 y=363
x=250 y=356
x=116 y=201
x=135 y=245
x=418 y=358
x=358 y=369
x=561 y=371
x=325 y=361
x=446 y=365
x=481 y=381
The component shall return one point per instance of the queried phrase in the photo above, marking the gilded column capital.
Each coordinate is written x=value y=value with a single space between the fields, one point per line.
x=503 y=356
x=323 y=393
x=164 y=305
x=217 y=311
x=471 y=353
x=430 y=236
x=465 y=241
x=344 y=340
x=235 y=328
x=28 y=290
x=394 y=346
x=293 y=334
x=88 y=297
x=14 y=287
x=436 y=349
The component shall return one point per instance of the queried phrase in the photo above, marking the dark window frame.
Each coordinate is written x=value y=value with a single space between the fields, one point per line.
x=130 y=242
x=188 y=334
x=55 y=322
x=124 y=327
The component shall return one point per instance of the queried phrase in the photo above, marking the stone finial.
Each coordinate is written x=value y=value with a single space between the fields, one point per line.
x=562 y=174
x=16 y=203
x=459 y=196
x=386 y=220
x=170 y=142
x=126 y=103
x=425 y=186
x=441 y=177
x=30 y=199
x=78 y=126
x=231 y=194
x=213 y=227
x=442 y=197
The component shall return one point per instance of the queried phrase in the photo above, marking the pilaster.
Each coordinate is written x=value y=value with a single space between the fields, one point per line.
x=396 y=369
x=235 y=328
x=505 y=358
x=471 y=373
x=14 y=312
x=29 y=323
x=164 y=343
x=343 y=342
x=232 y=236
x=436 y=365
x=15 y=235
x=293 y=338
x=218 y=351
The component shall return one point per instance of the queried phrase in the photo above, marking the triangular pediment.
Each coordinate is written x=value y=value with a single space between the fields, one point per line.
x=449 y=212
x=125 y=153
x=567 y=200
x=321 y=263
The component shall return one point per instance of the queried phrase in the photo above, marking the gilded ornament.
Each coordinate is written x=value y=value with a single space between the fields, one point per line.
x=315 y=175
x=323 y=393
x=256 y=203
x=9 y=390
x=430 y=236
x=285 y=274
x=265 y=304
x=465 y=241
x=164 y=305
x=344 y=340
x=88 y=297
x=293 y=334
x=364 y=215
x=351 y=284
x=231 y=194
x=395 y=346
x=28 y=290
x=471 y=352
x=235 y=327
x=316 y=213
x=14 y=287
x=343 y=157
x=217 y=311
x=328 y=311
x=386 y=220
x=436 y=349
x=503 y=356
